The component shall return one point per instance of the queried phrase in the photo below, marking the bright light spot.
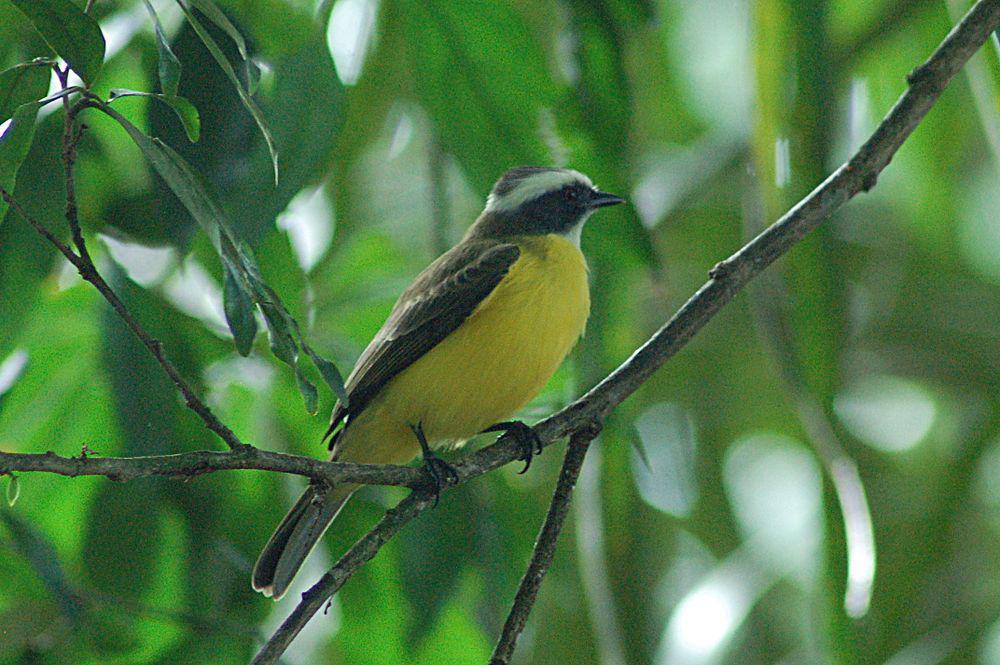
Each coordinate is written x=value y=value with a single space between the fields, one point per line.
x=308 y=222
x=990 y=646
x=860 y=537
x=717 y=72
x=775 y=492
x=704 y=619
x=707 y=616
x=673 y=172
x=401 y=136
x=782 y=162
x=252 y=372
x=858 y=113
x=4 y=126
x=668 y=483
x=66 y=275
x=193 y=291
x=54 y=87
x=348 y=36
x=145 y=266
x=121 y=27
x=11 y=368
x=886 y=412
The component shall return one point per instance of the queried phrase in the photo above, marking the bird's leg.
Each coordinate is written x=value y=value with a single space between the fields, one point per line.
x=443 y=473
x=526 y=437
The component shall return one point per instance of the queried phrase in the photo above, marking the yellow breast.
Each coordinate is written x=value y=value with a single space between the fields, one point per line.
x=491 y=366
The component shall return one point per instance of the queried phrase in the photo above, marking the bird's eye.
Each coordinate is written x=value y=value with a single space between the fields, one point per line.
x=572 y=194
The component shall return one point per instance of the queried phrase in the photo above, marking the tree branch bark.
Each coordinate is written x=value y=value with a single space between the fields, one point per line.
x=88 y=271
x=545 y=546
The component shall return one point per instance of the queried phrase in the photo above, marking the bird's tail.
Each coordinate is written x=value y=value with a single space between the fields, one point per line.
x=295 y=538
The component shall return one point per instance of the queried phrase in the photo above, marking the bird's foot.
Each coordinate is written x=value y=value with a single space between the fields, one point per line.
x=442 y=473
x=525 y=436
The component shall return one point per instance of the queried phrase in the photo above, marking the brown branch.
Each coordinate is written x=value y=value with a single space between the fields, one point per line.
x=362 y=552
x=72 y=133
x=88 y=271
x=545 y=546
x=859 y=174
x=197 y=463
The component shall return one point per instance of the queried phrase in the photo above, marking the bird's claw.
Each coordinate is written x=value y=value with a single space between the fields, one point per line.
x=525 y=436
x=442 y=473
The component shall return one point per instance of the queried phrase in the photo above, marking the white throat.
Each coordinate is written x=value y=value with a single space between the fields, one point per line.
x=576 y=231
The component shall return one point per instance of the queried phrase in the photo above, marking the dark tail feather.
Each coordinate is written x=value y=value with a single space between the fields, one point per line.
x=295 y=538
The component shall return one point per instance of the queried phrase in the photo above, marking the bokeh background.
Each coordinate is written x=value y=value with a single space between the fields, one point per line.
x=856 y=384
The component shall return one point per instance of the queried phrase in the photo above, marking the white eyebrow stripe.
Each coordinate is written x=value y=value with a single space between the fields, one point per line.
x=534 y=186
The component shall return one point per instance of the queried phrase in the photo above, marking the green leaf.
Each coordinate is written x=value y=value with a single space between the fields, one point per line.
x=279 y=336
x=309 y=393
x=227 y=67
x=22 y=84
x=14 y=146
x=13 y=489
x=38 y=551
x=169 y=67
x=238 y=305
x=330 y=374
x=185 y=110
x=252 y=72
x=215 y=15
x=75 y=36
x=283 y=332
x=179 y=176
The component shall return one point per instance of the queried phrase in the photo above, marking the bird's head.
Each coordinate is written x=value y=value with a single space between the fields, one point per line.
x=535 y=200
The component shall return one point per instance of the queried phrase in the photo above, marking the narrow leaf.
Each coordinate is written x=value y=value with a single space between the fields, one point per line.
x=309 y=393
x=215 y=15
x=239 y=308
x=185 y=110
x=169 y=68
x=330 y=374
x=14 y=146
x=75 y=36
x=227 y=68
x=282 y=344
x=13 y=490
x=22 y=84
x=44 y=560
x=252 y=72
x=180 y=177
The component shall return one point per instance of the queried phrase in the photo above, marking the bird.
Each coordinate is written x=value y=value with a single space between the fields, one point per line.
x=473 y=339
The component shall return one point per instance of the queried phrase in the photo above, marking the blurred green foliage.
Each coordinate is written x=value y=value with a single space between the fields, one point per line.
x=706 y=528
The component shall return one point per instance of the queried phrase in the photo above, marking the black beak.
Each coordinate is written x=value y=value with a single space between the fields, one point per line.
x=602 y=199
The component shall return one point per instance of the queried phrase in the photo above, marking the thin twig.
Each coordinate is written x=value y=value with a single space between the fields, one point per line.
x=860 y=173
x=545 y=546
x=362 y=552
x=72 y=133
x=89 y=273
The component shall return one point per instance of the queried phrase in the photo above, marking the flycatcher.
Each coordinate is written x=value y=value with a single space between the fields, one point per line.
x=473 y=339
